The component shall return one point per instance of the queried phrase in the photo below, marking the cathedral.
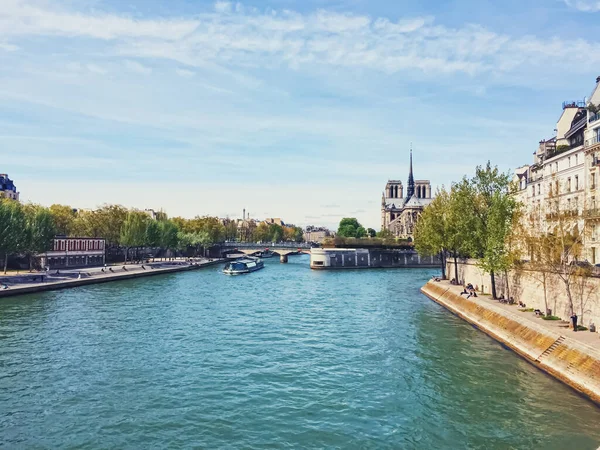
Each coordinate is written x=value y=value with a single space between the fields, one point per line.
x=399 y=213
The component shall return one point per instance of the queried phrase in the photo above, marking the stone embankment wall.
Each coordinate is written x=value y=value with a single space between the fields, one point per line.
x=105 y=278
x=362 y=258
x=527 y=286
x=572 y=362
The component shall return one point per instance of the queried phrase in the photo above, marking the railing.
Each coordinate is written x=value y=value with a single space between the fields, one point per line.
x=591 y=213
x=594 y=117
x=574 y=104
x=266 y=245
x=592 y=141
x=564 y=214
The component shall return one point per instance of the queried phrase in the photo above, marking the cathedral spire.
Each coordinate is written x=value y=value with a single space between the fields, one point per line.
x=411 y=180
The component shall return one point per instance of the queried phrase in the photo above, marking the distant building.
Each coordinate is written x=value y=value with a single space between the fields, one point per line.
x=275 y=221
x=8 y=188
x=316 y=234
x=71 y=252
x=399 y=213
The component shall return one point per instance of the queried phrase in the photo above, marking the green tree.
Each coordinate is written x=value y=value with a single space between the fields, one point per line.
x=348 y=227
x=152 y=233
x=64 y=219
x=12 y=229
x=492 y=210
x=361 y=232
x=276 y=232
x=371 y=232
x=39 y=232
x=133 y=231
x=168 y=235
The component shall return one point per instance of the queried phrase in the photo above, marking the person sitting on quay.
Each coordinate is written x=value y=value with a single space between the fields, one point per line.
x=4 y=286
x=125 y=268
x=111 y=270
x=143 y=268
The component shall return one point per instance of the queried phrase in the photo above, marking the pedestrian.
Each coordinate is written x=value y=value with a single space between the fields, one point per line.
x=574 y=320
x=79 y=276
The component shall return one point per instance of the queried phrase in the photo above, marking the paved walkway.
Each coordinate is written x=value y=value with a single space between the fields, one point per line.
x=558 y=326
x=72 y=277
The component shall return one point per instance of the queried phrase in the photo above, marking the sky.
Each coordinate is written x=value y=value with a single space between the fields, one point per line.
x=294 y=109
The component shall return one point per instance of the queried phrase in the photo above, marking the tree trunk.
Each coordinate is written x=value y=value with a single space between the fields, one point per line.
x=5 y=262
x=30 y=263
x=456 y=268
x=545 y=282
x=443 y=265
x=507 y=284
x=493 y=281
x=126 y=251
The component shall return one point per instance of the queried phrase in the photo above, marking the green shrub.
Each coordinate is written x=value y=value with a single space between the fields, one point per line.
x=526 y=310
x=550 y=318
x=581 y=328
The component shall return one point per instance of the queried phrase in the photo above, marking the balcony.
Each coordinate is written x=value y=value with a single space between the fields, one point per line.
x=567 y=213
x=573 y=104
x=593 y=141
x=594 y=118
x=592 y=213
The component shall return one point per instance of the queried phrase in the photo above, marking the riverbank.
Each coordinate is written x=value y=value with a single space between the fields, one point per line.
x=83 y=277
x=572 y=357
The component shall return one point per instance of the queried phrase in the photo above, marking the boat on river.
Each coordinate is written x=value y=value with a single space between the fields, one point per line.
x=242 y=266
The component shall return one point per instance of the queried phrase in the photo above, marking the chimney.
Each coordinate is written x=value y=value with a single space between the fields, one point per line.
x=244 y=214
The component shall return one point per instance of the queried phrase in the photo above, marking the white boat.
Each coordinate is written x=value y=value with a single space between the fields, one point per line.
x=242 y=266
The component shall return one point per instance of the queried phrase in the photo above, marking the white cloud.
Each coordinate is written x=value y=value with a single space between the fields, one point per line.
x=19 y=17
x=136 y=67
x=223 y=7
x=8 y=47
x=184 y=73
x=584 y=5
x=94 y=68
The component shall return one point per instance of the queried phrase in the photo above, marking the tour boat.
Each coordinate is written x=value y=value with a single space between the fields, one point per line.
x=244 y=265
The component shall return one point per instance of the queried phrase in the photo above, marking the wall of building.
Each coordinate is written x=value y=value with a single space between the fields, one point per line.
x=358 y=258
x=526 y=286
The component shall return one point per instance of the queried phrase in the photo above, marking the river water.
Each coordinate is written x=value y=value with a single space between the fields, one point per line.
x=282 y=358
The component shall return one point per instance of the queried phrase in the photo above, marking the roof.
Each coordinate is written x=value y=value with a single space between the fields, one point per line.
x=416 y=202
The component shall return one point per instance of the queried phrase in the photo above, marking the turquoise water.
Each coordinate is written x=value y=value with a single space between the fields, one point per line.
x=281 y=358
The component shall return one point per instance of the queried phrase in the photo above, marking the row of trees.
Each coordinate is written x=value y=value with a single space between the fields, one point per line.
x=27 y=229
x=480 y=218
x=24 y=229
x=349 y=227
x=474 y=219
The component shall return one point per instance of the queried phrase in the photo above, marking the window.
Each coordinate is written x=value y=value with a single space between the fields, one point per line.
x=576 y=159
x=539 y=189
x=569 y=159
x=549 y=188
x=576 y=182
x=593 y=203
x=556 y=166
x=593 y=181
x=557 y=185
x=533 y=191
x=569 y=184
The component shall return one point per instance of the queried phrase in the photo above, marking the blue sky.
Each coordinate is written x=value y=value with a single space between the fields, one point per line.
x=292 y=109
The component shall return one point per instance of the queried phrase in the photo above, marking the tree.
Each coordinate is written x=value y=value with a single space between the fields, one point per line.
x=133 y=231
x=361 y=232
x=348 y=227
x=39 y=231
x=275 y=232
x=492 y=208
x=168 y=235
x=64 y=219
x=12 y=228
x=371 y=232
x=152 y=233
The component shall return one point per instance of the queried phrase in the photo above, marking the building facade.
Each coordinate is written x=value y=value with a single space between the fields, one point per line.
x=399 y=213
x=564 y=176
x=72 y=252
x=8 y=188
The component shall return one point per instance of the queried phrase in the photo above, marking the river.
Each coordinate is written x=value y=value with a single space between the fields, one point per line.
x=284 y=357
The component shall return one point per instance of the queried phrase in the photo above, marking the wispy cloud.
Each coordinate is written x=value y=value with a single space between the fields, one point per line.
x=584 y=5
x=136 y=67
x=245 y=37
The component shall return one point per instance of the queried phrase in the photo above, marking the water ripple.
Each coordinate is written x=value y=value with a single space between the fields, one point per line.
x=283 y=358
